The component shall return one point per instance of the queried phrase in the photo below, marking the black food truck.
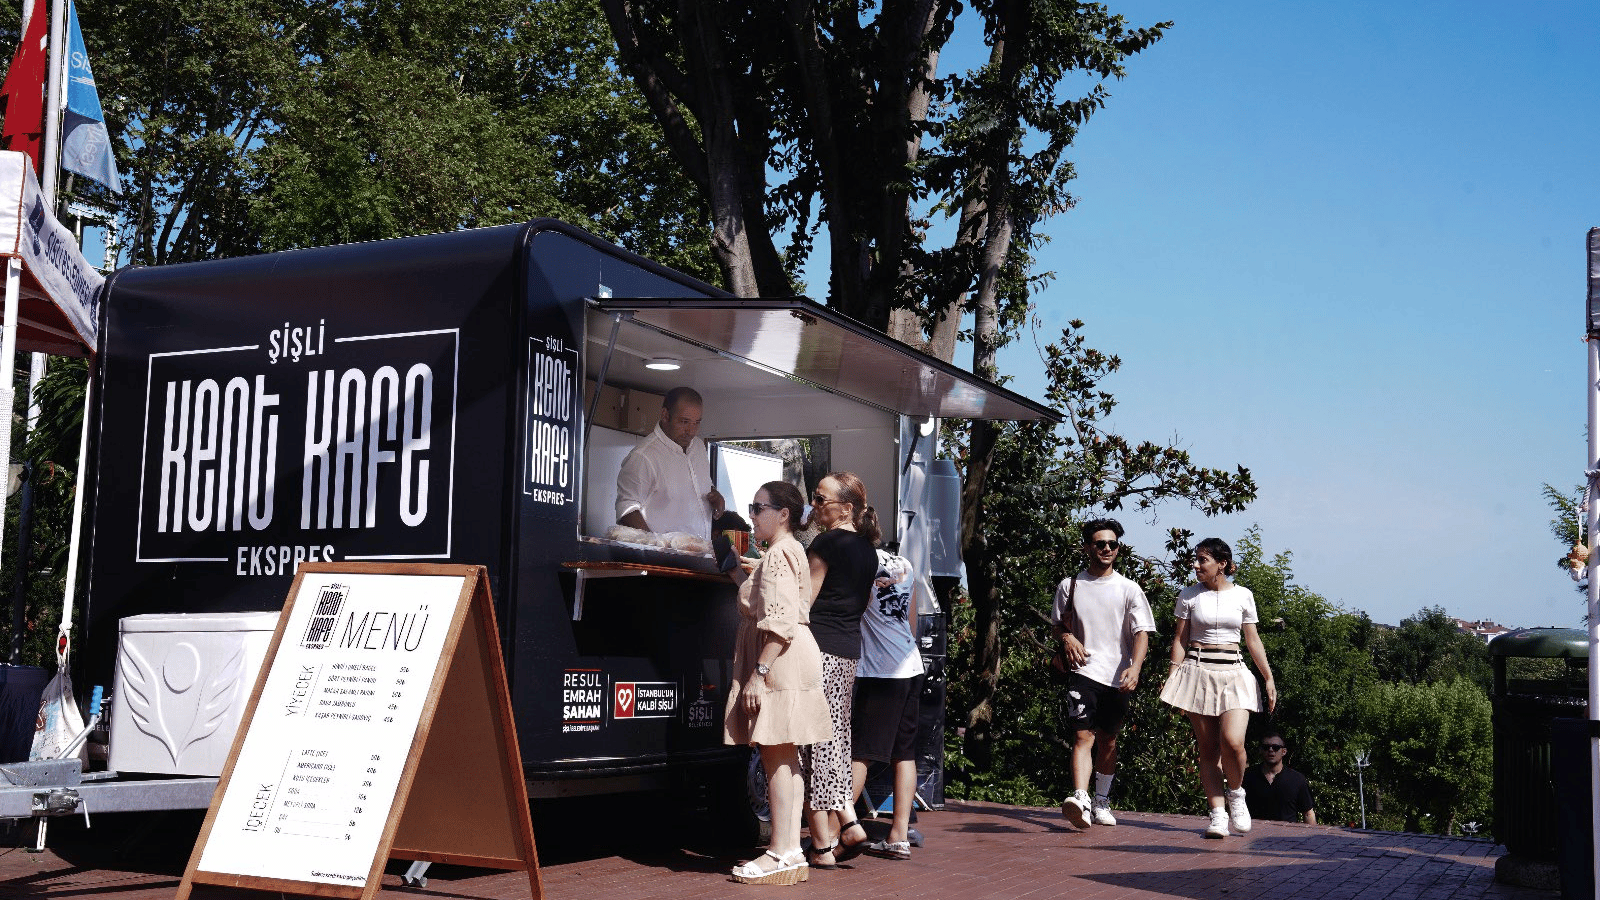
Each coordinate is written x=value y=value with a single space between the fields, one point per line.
x=468 y=398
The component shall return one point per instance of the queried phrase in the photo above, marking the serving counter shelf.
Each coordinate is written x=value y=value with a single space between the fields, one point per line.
x=586 y=570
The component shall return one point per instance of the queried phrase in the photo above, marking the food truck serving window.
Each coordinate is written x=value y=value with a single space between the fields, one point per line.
x=785 y=384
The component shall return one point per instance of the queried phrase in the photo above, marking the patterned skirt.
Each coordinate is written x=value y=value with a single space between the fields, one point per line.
x=826 y=766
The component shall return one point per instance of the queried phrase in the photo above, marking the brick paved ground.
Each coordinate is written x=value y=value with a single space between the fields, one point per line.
x=973 y=850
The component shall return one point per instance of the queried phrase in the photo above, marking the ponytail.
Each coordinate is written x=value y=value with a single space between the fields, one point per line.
x=867 y=526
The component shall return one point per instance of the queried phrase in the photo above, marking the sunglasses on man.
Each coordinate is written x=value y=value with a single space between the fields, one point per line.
x=1272 y=748
x=1106 y=545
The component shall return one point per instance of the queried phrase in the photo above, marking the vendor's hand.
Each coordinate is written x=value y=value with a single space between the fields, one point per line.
x=753 y=691
x=718 y=505
x=1075 y=652
x=1578 y=557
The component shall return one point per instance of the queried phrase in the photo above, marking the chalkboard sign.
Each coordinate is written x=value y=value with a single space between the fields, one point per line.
x=336 y=767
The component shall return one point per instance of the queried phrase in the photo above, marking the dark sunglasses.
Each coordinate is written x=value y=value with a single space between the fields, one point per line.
x=1106 y=545
x=756 y=508
x=819 y=500
x=1272 y=748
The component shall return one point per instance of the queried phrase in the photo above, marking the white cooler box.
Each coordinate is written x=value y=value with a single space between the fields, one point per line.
x=182 y=684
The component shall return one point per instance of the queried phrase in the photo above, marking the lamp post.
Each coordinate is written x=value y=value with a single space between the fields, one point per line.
x=1363 y=759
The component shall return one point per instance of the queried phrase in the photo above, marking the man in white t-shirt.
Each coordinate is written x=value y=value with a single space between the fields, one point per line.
x=665 y=482
x=885 y=716
x=1103 y=622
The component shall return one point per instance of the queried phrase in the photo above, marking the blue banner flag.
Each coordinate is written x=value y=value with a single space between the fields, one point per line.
x=86 y=146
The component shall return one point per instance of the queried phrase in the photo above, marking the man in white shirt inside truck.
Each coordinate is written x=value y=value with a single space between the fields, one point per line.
x=664 y=484
x=1103 y=622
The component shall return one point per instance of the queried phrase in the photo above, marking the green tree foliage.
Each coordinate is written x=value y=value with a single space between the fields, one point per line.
x=51 y=453
x=1428 y=647
x=189 y=92
x=253 y=125
x=1567 y=526
x=1433 y=750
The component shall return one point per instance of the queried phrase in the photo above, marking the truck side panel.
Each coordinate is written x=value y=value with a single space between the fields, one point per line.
x=340 y=403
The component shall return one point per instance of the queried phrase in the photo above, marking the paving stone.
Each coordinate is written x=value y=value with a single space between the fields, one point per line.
x=973 y=850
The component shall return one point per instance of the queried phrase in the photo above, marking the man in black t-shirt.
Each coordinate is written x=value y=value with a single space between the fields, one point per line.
x=1274 y=791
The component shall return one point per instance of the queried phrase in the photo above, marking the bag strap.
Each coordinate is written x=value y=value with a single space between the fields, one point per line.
x=1072 y=601
x=1058 y=659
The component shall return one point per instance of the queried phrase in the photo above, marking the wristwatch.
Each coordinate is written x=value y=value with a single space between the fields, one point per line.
x=762 y=669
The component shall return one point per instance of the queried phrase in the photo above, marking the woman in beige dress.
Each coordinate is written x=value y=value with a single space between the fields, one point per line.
x=776 y=699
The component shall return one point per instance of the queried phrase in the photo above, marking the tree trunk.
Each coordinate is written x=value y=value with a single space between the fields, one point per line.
x=979 y=742
x=980 y=450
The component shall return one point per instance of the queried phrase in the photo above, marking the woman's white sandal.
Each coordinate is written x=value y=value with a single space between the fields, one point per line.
x=792 y=869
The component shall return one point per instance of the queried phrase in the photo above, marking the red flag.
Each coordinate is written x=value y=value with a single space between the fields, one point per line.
x=24 y=88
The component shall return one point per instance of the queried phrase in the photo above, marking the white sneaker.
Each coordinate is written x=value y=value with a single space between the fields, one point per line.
x=1219 y=823
x=1076 y=809
x=1238 y=811
x=1102 y=812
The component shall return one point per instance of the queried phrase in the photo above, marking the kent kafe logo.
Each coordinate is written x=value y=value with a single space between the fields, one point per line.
x=552 y=420
x=310 y=443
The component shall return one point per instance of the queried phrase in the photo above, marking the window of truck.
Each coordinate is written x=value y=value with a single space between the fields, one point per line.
x=759 y=424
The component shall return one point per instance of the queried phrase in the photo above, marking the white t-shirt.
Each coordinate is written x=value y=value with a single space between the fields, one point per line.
x=888 y=648
x=1216 y=617
x=1108 y=612
x=667 y=484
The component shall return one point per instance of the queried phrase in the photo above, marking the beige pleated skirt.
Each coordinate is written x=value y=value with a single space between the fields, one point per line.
x=1211 y=688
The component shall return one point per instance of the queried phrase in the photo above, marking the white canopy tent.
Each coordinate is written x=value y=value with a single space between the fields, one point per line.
x=51 y=305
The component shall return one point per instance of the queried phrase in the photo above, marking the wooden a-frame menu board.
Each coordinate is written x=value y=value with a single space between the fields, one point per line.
x=380 y=727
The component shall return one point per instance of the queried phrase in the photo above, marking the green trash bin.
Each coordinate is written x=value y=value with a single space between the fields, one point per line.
x=1569 y=760
x=1524 y=708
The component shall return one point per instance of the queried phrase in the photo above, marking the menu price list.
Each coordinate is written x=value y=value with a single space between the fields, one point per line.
x=317 y=775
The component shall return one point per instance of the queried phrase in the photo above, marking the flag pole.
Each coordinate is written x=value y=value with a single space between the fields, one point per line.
x=55 y=71
x=1592 y=346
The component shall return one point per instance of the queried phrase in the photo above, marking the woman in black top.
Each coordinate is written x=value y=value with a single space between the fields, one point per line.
x=843 y=564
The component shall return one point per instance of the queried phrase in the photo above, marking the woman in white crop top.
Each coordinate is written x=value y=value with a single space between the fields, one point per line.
x=1209 y=681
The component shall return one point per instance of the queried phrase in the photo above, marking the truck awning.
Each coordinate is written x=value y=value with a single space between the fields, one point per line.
x=801 y=339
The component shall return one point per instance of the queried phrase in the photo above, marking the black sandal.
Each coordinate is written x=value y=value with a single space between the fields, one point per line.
x=843 y=852
x=812 y=852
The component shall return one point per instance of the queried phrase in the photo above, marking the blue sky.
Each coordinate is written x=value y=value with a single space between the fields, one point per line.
x=1343 y=245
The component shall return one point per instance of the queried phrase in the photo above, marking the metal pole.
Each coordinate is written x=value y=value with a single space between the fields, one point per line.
x=56 y=70
x=1593 y=516
x=19 y=600
x=1363 y=759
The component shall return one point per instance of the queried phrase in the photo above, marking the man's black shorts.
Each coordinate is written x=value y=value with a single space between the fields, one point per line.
x=1089 y=705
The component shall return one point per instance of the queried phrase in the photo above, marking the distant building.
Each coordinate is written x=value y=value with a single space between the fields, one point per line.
x=1484 y=629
